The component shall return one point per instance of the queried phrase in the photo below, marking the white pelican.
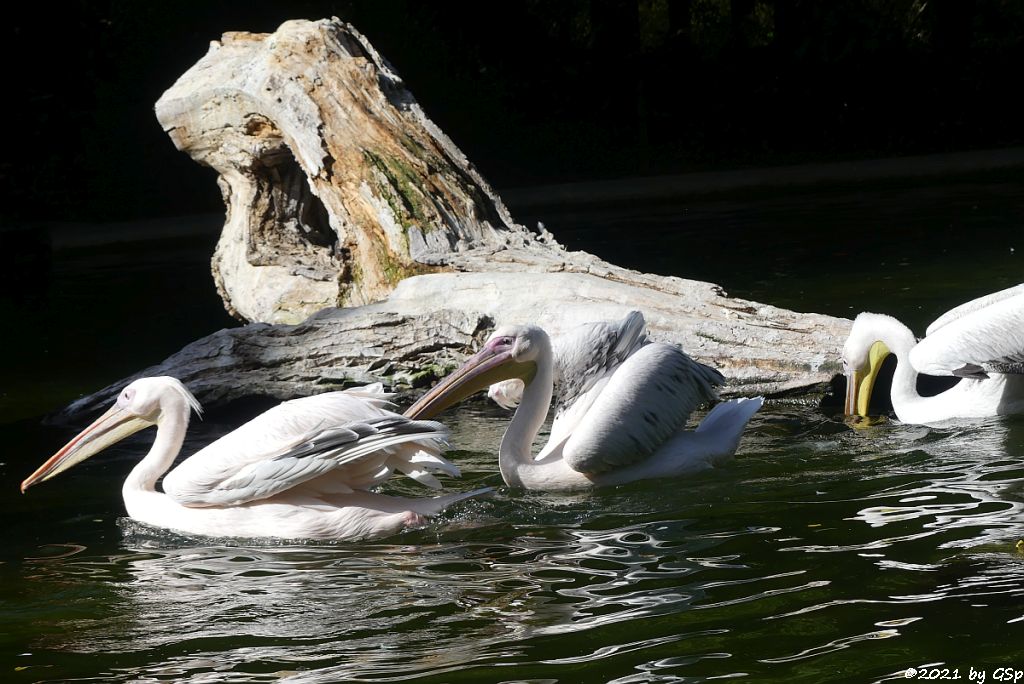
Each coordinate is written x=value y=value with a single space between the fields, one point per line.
x=298 y=471
x=981 y=342
x=623 y=409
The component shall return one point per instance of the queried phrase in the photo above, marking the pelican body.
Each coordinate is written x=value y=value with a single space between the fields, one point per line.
x=622 y=412
x=981 y=342
x=301 y=470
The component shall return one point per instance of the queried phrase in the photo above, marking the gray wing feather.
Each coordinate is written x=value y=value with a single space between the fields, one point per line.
x=591 y=351
x=329 y=450
x=648 y=399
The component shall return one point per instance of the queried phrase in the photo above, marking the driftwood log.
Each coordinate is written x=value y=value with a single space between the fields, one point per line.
x=430 y=322
x=362 y=245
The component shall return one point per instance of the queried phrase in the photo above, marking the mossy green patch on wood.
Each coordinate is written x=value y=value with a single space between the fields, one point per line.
x=395 y=270
x=350 y=278
x=835 y=366
x=426 y=375
x=402 y=191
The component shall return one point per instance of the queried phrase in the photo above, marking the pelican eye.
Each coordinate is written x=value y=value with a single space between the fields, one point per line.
x=128 y=394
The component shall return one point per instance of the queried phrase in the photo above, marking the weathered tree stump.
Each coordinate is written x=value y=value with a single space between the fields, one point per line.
x=337 y=185
x=340 y=192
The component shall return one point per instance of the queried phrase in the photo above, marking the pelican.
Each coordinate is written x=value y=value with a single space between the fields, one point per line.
x=623 y=408
x=301 y=470
x=981 y=342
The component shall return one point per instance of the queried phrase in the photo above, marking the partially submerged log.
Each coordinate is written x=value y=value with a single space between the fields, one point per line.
x=430 y=322
x=342 y=193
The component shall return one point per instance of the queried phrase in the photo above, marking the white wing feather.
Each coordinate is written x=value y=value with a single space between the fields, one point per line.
x=978 y=340
x=629 y=414
x=327 y=453
x=974 y=305
x=254 y=461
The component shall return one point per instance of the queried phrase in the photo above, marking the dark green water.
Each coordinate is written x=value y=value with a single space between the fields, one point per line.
x=819 y=554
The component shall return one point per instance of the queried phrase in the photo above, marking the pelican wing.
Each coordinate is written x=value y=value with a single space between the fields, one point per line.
x=336 y=442
x=979 y=339
x=627 y=417
x=974 y=305
x=593 y=351
x=364 y=445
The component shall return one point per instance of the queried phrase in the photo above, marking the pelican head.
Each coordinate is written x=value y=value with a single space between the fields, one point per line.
x=138 y=406
x=863 y=354
x=510 y=353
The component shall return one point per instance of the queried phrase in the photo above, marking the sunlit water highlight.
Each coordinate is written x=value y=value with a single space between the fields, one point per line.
x=820 y=552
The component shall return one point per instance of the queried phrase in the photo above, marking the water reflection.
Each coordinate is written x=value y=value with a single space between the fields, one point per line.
x=967 y=481
x=800 y=554
x=385 y=609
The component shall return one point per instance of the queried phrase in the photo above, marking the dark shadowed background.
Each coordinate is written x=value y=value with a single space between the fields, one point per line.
x=534 y=92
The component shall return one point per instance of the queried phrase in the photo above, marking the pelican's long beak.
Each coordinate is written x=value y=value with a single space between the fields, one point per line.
x=482 y=370
x=108 y=429
x=861 y=381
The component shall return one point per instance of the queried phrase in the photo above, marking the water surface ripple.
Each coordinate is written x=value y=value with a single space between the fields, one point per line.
x=819 y=553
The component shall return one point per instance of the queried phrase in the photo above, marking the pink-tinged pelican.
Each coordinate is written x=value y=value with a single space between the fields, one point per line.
x=624 y=404
x=981 y=342
x=298 y=471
